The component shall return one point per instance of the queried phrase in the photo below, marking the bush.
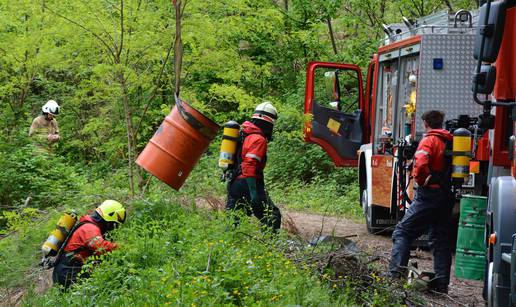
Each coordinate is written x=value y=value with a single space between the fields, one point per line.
x=171 y=255
x=47 y=179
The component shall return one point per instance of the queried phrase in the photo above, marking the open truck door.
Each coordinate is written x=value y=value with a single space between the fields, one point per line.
x=334 y=116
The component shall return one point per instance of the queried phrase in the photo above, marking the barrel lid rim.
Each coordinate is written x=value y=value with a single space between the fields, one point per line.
x=210 y=121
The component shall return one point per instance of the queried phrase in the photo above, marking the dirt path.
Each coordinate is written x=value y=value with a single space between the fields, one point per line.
x=41 y=279
x=310 y=226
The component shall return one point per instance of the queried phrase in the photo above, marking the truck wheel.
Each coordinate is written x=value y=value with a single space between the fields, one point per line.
x=490 y=284
x=368 y=212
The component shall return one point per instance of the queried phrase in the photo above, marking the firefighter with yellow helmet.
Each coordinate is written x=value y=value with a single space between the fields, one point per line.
x=87 y=239
x=44 y=130
x=246 y=188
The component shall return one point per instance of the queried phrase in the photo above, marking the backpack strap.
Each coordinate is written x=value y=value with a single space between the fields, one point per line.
x=443 y=177
x=237 y=169
x=75 y=227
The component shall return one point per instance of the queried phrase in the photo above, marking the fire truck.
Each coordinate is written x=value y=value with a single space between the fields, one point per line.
x=422 y=65
x=496 y=43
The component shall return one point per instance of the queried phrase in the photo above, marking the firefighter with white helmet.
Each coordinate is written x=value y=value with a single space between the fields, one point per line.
x=246 y=188
x=44 y=129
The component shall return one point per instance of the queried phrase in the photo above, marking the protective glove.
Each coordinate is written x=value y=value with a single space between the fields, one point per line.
x=53 y=137
x=253 y=190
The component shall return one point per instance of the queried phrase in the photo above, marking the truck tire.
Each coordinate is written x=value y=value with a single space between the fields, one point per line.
x=490 y=284
x=370 y=212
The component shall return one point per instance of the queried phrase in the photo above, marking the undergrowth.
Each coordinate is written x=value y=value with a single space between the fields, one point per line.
x=334 y=193
x=174 y=253
x=183 y=256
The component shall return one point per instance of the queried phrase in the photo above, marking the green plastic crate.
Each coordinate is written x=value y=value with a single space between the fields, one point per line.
x=469 y=264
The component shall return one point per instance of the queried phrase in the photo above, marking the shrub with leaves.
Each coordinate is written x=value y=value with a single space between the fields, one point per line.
x=172 y=255
x=47 y=179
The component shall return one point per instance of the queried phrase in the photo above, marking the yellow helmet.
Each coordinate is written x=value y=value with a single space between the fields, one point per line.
x=111 y=211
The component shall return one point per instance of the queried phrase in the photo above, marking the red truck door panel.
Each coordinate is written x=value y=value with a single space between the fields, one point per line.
x=334 y=118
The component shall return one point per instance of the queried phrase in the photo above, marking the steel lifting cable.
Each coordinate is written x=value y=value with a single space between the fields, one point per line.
x=178 y=59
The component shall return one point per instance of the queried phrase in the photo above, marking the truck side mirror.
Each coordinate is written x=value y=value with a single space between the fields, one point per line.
x=485 y=79
x=492 y=32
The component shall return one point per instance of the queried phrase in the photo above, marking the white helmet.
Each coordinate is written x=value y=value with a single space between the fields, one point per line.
x=266 y=111
x=51 y=107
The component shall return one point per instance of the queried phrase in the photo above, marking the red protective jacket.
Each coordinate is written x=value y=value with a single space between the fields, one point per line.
x=430 y=155
x=254 y=152
x=87 y=240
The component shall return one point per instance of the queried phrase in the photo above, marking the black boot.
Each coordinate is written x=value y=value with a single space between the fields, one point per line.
x=438 y=285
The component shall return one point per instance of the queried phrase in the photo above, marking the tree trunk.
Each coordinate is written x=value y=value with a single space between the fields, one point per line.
x=449 y=5
x=129 y=130
x=332 y=36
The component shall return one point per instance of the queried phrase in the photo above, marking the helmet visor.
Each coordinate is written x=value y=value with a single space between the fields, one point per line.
x=121 y=216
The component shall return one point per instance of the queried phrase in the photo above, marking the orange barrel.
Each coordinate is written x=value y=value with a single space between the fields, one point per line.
x=178 y=144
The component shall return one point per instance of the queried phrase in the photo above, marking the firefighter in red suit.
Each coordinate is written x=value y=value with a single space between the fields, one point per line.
x=87 y=239
x=246 y=188
x=432 y=205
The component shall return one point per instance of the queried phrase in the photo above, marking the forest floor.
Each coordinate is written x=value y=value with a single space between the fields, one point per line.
x=311 y=226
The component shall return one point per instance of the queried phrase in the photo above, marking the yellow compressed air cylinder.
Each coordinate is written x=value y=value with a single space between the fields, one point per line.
x=461 y=153
x=58 y=235
x=228 y=145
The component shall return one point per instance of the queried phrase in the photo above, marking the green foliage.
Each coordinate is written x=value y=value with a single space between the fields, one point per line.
x=47 y=179
x=323 y=197
x=173 y=255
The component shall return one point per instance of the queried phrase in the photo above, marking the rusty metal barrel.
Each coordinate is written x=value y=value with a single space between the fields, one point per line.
x=178 y=144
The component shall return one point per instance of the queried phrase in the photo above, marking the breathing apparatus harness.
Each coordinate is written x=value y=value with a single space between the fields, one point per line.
x=235 y=169
x=443 y=177
x=47 y=262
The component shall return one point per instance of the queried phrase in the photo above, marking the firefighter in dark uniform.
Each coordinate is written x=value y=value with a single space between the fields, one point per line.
x=432 y=205
x=246 y=189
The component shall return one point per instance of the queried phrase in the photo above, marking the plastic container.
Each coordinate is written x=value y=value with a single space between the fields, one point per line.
x=469 y=264
x=473 y=209
x=178 y=144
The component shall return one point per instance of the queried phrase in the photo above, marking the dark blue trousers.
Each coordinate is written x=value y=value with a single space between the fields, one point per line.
x=66 y=271
x=430 y=211
x=239 y=198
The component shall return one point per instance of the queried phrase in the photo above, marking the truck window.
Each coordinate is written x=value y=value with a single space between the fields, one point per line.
x=406 y=107
x=386 y=99
x=337 y=89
